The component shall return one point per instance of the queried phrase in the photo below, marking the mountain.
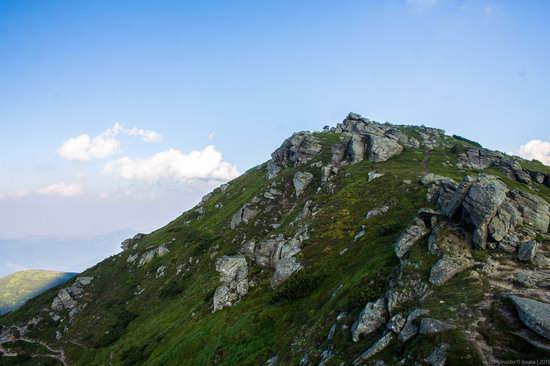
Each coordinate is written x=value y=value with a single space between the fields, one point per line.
x=19 y=287
x=364 y=243
x=68 y=254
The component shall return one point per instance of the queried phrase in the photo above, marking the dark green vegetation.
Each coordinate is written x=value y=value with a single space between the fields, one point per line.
x=18 y=287
x=134 y=316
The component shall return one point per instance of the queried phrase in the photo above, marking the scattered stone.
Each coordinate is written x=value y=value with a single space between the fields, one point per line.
x=438 y=356
x=411 y=235
x=527 y=250
x=375 y=348
x=160 y=271
x=410 y=330
x=396 y=323
x=430 y=326
x=370 y=319
x=447 y=267
x=373 y=175
x=377 y=211
x=534 y=314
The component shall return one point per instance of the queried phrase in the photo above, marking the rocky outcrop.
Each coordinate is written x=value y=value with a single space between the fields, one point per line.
x=438 y=356
x=126 y=244
x=534 y=314
x=372 y=317
x=149 y=255
x=447 y=267
x=298 y=149
x=300 y=181
x=67 y=298
x=243 y=215
x=283 y=269
x=411 y=235
x=233 y=281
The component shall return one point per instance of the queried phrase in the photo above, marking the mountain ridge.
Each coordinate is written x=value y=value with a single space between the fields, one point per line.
x=365 y=243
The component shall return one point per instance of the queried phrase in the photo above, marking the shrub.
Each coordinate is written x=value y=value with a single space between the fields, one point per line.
x=298 y=285
x=124 y=318
x=477 y=144
x=171 y=289
x=133 y=356
x=368 y=289
x=390 y=227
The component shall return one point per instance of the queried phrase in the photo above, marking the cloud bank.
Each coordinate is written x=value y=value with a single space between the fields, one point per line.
x=86 y=148
x=536 y=149
x=174 y=165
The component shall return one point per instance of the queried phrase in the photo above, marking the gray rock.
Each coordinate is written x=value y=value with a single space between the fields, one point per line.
x=370 y=319
x=430 y=326
x=527 y=250
x=534 y=314
x=233 y=286
x=243 y=215
x=382 y=148
x=433 y=178
x=375 y=348
x=298 y=149
x=373 y=175
x=446 y=267
x=284 y=268
x=411 y=235
x=396 y=323
x=248 y=249
x=534 y=210
x=355 y=148
x=377 y=211
x=272 y=169
x=438 y=356
x=410 y=330
x=505 y=220
x=301 y=180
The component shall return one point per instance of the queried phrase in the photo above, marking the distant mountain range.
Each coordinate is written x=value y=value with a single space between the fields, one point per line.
x=17 y=288
x=65 y=254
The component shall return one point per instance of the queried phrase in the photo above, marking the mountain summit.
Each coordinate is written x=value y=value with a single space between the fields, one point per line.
x=365 y=243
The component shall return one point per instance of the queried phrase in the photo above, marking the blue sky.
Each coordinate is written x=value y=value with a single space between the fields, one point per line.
x=239 y=76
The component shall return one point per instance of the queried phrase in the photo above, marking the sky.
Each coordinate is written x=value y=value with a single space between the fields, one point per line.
x=122 y=114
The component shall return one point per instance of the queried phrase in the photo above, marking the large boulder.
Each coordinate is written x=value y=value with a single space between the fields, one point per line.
x=243 y=215
x=233 y=272
x=411 y=235
x=284 y=268
x=481 y=203
x=382 y=148
x=534 y=210
x=447 y=267
x=372 y=317
x=534 y=314
x=410 y=329
x=301 y=180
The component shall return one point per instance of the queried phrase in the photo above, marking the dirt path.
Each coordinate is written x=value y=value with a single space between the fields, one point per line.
x=57 y=354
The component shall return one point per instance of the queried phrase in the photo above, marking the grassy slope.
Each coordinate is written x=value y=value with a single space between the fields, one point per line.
x=18 y=287
x=180 y=328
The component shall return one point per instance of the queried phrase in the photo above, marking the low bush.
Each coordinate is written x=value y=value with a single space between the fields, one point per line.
x=124 y=318
x=298 y=285
x=477 y=144
x=171 y=289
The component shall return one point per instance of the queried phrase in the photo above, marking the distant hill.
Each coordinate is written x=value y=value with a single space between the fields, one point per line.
x=17 y=288
x=66 y=254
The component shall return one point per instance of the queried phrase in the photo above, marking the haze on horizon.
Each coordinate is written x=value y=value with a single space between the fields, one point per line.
x=122 y=115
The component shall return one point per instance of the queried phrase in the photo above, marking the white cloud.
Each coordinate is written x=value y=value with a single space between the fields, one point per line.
x=85 y=148
x=62 y=189
x=174 y=165
x=211 y=135
x=536 y=149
